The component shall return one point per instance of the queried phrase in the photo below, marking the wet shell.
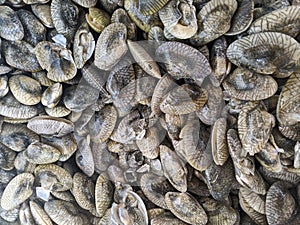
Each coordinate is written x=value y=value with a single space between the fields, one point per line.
x=62 y=212
x=64 y=14
x=111 y=46
x=119 y=77
x=288 y=109
x=20 y=55
x=254 y=215
x=174 y=168
x=246 y=85
x=53 y=177
x=219 y=62
x=193 y=145
x=148 y=145
x=144 y=22
x=183 y=100
x=86 y=3
x=254 y=126
x=43 y=12
x=84 y=192
x=11 y=26
x=42 y=78
x=25 y=89
x=79 y=97
x=18 y=190
x=84 y=45
x=17 y=137
x=285 y=20
x=219 y=213
x=57 y=60
x=166 y=218
x=52 y=95
x=98 y=19
x=255 y=201
x=39 y=215
x=218 y=141
x=25 y=215
x=22 y=165
x=220 y=179
x=155 y=187
x=266 y=53
x=47 y=125
x=121 y=16
x=164 y=85
x=103 y=125
x=103 y=194
x=34 y=31
x=66 y=145
x=280 y=204
x=40 y=153
x=102 y=156
x=179 y=19
x=183 y=61
x=214 y=20
x=141 y=56
x=186 y=208
x=84 y=156
x=242 y=17
x=210 y=112
x=151 y=6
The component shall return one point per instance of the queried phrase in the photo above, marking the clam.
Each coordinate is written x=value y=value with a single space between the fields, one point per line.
x=18 y=190
x=265 y=53
x=11 y=28
x=25 y=89
x=111 y=46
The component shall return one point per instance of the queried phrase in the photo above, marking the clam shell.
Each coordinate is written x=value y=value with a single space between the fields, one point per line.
x=265 y=52
x=84 y=192
x=214 y=20
x=183 y=61
x=40 y=153
x=65 y=17
x=280 y=204
x=11 y=26
x=43 y=13
x=34 y=31
x=84 y=45
x=25 y=89
x=47 y=125
x=186 y=208
x=155 y=187
x=284 y=20
x=254 y=126
x=53 y=177
x=98 y=19
x=17 y=137
x=174 y=169
x=52 y=95
x=38 y=214
x=184 y=99
x=103 y=194
x=110 y=46
x=242 y=17
x=62 y=212
x=246 y=85
x=18 y=190
x=219 y=142
x=19 y=54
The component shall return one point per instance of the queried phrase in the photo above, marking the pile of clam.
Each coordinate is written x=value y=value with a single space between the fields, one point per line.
x=161 y=112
